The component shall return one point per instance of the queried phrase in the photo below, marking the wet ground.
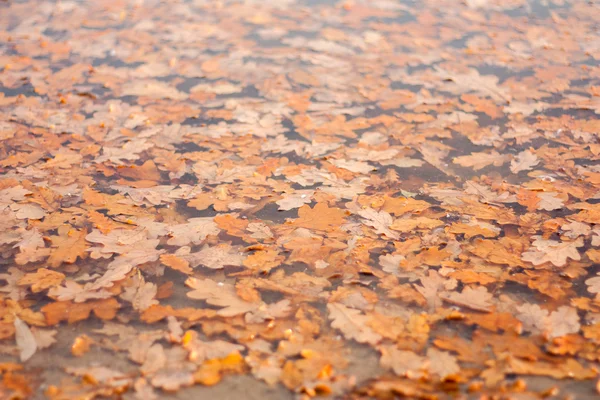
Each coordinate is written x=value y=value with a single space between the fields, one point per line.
x=294 y=199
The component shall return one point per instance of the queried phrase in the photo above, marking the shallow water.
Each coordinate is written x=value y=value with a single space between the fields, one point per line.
x=343 y=199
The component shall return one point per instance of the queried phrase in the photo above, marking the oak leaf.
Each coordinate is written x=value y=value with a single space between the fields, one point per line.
x=25 y=340
x=194 y=231
x=295 y=200
x=552 y=251
x=352 y=323
x=442 y=363
x=410 y=224
x=533 y=317
x=550 y=201
x=478 y=299
x=76 y=292
x=44 y=338
x=73 y=312
x=524 y=161
x=219 y=294
x=12 y=288
x=176 y=263
x=381 y=221
x=41 y=279
x=320 y=217
x=67 y=246
x=563 y=321
x=479 y=161
x=140 y=294
x=216 y=257
x=31 y=247
x=432 y=285
x=403 y=362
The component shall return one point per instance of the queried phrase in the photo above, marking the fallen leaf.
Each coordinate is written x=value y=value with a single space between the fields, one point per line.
x=524 y=161
x=552 y=251
x=352 y=323
x=25 y=340
x=477 y=299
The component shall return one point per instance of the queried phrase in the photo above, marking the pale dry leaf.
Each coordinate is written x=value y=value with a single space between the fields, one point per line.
x=432 y=285
x=259 y=230
x=352 y=323
x=76 y=292
x=143 y=390
x=140 y=294
x=219 y=294
x=154 y=89
x=478 y=161
x=102 y=375
x=25 y=340
x=410 y=224
x=552 y=251
x=289 y=201
x=403 y=362
x=533 y=317
x=31 y=247
x=574 y=229
x=266 y=312
x=175 y=329
x=154 y=195
x=379 y=220
x=10 y=195
x=359 y=167
x=268 y=370
x=117 y=241
x=201 y=350
x=155 y=360
x=391 y=263
x=524 y=161
x=472 y=81
x=12 y=288
x=593 y=284
x=44 y=338
x=488 y=195
x=478 y=299
x=194 y=231
x=549 y=201
x=177 y=371
x=30 y=241
x=403 y=162
x=563 y=321
x=442 y=363
x=130 y=151
x=28 y=211
x=216 y=257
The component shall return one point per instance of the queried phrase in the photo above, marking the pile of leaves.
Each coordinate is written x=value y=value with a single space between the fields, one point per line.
x=288 y=198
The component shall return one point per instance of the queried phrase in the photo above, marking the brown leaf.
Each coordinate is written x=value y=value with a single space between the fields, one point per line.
x=140 y=294
x=352 y=323
x=73 y=312
x=442 y=363
x=219 y=294
x=552 y=251
x=176 y=263
x=524 y=161
x=321 y=217
x=41 y=279
x=476 y=299
x=403 y=362
x=25 y=340
x=67 y=246
x=216 y=257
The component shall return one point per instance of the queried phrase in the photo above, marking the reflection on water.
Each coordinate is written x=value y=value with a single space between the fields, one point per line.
x=303 y=198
